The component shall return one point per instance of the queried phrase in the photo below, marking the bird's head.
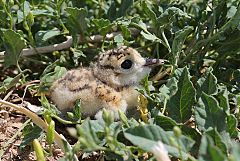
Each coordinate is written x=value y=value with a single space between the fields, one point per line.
x=123 y=66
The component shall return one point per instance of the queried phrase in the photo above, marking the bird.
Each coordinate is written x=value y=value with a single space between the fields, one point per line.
x=109 y=82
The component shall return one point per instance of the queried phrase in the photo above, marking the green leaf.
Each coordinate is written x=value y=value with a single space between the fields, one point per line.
x=229 y=44
x=180 y=38
x=24 y=12
x=218 y=140
x=30 y=133
x=115 y=12
x=125 y=31
x=76 y=55
x=185 y=143
x=222 y=96
x=76 y=115
x=193 y=134
x=178 y=72
x=124 y=7
x=10 y=82
x=111 y=13
x=43 y=36
x=208 y=151
x=147 y=136
x=207 y=84
x=4 y=86
x=180 y=105
x=170 y=88
x=169 y=16
x=123 y=118
x=98 y=126
x=26 y=8
x=103 y=25
x=149 y=36
x=232 y=11
x=52 y=76
x=77 y=109
x=20 y=17
x=48 y=78
x=119 y=40
x=209 y=115
x=42 y=12
x=149 y=12
x=49 y=68
x=87 y=136
x=100 y=23
x=13 y=43
x=235 y=152
x=232 y=124
x=165 y=122
x=236 y=75
x=230 y=26
x=76 y=22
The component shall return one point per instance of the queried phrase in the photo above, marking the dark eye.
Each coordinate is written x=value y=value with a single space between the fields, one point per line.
x=126 y=64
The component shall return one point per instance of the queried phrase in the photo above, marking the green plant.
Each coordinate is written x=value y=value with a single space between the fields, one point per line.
x=194 y=109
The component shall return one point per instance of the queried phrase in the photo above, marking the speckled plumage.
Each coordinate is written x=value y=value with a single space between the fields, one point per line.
x=105 y=84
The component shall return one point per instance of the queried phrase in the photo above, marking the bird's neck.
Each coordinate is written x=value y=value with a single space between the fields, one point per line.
x=111 y=80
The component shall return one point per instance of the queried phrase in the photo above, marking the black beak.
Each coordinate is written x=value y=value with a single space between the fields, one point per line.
x=154 y=62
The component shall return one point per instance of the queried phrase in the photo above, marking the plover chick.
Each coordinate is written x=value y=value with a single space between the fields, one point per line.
x=110 y=82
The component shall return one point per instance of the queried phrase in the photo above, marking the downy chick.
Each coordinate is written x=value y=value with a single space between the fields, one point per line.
x=110 y=82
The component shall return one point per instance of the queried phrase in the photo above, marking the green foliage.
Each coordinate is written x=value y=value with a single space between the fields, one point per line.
x=75 y=115
x=38 y=150
x=49 y=77
x=30 y=133
x=117 y=10
x=146 y=138
x=179 y=104
x=209 y=114
x=76 y=22
x=194 y=111
x=14 y=44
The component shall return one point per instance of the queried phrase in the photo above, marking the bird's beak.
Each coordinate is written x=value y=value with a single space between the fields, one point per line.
x=153 y=62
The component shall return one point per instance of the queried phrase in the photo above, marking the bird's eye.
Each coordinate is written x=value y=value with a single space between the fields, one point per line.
x=126 y=64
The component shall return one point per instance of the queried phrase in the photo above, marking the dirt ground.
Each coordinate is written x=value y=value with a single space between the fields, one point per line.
x=11 y=123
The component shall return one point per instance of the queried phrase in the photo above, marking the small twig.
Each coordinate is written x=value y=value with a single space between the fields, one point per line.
x=37 y=120
x=161 y=74
x=62 y=120
x=59 y=139
x=18 y=99
x=45 y=49
x=24 y=93
x=33 y=82
x=164 y=106
x=166 y=43
x=8 y=95
x=68 y=43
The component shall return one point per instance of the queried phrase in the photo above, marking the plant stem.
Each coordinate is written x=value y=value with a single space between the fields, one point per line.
x=19 y=68
x=164 y=106
x=166 y=41
x=9 y=15
x=37 y=120
x=58 y=9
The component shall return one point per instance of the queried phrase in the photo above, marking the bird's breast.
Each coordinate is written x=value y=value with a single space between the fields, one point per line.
x=130 y=94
